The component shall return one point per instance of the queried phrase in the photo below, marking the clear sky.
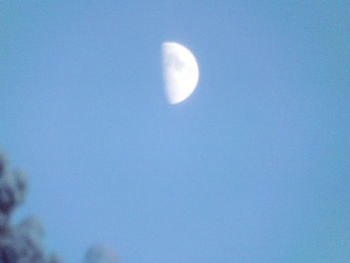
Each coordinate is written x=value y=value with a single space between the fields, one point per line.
x=253 y=167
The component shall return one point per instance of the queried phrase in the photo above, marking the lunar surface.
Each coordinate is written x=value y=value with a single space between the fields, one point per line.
x=180 y=72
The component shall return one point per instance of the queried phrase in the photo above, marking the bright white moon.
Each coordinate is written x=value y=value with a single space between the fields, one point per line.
x=180 y=72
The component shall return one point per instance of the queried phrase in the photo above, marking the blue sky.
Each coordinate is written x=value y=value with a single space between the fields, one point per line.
x=253 y=167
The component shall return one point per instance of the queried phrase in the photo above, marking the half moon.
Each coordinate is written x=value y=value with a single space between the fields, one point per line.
x=180 y=72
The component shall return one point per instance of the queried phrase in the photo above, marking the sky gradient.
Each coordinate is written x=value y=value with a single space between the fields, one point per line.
x=253 y=167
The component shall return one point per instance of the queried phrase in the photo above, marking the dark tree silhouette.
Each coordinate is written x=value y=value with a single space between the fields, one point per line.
x=22 y=243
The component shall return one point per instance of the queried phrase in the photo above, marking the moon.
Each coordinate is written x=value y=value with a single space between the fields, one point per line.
x=180 y=72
